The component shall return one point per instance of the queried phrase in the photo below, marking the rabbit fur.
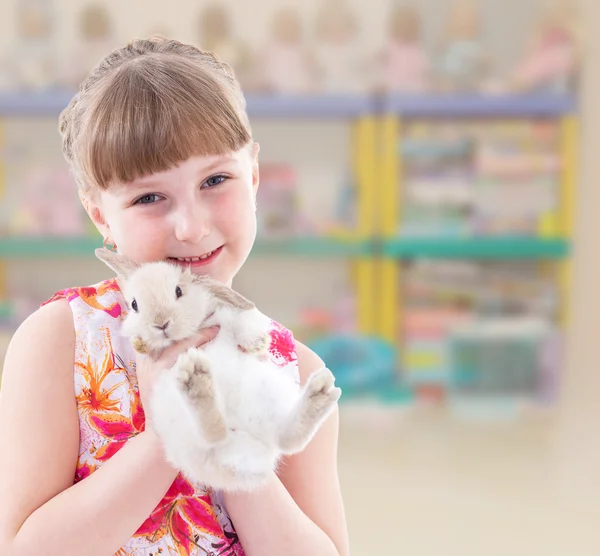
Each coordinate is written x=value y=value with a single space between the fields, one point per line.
x=225 y=413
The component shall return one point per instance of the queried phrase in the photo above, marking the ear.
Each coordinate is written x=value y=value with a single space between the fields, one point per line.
x=119 y=263
x=224 y=294
x=91 y=203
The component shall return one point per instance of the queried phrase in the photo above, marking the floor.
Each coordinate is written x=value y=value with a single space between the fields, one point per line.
x=426 y=484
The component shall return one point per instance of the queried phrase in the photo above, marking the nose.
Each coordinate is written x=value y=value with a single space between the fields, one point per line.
x=191 y=222
x=162 y=326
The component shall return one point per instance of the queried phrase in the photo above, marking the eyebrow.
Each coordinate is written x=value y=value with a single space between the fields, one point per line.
x=151 y=180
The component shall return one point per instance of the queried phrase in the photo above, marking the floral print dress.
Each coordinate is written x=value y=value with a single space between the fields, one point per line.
x=189 y=520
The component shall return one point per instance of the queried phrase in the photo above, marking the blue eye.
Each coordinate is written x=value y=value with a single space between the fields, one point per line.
x=147 y=199
x=213 y=181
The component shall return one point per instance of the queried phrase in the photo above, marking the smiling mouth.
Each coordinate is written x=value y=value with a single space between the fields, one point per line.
x=202 y=258
x=192 y=259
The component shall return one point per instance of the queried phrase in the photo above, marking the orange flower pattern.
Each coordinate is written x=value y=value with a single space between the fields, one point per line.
x=189 y=521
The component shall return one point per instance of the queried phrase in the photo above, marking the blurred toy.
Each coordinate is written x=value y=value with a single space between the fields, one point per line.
x=553 y=56
x=315 y=322
x=94 y=41
x=344 y=312
x=338 y=55
x=404 y=64
x=32 y=64
x=279 y=213
x=362 y=366
x=492 y=162
x=463 y=62
x=48 y=205
x=344 y=219
x=286 y=66
x=216 y=35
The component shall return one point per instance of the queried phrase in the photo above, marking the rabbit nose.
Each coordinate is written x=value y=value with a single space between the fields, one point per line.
x=162 y=326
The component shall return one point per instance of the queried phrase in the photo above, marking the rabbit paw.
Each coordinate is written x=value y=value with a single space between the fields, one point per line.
x=139 y=345
x=193 y=373
x=320 y=390
x=318 y=399
x=252 y=332
x=258 y=346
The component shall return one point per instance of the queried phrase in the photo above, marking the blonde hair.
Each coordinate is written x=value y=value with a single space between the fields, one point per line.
x=148 y=106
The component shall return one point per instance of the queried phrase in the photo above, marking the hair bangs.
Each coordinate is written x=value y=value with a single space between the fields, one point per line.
x=155 y=113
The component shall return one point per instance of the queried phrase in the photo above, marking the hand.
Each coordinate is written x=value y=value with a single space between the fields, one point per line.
x=147 y=368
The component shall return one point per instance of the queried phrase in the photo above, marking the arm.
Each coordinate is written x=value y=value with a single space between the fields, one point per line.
x=301 y=511
x=39 y=428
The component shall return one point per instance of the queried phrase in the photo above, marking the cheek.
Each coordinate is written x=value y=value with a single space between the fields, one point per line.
x=234 y=214
x=142 y=239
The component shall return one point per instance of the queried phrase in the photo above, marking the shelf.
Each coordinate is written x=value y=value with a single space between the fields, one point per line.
x=484 y=248
x=24 y=247
x=50 y=103
x=315 y=106
x=314 y=246
x=5 y=310
x=455 y=106
x=29 y=247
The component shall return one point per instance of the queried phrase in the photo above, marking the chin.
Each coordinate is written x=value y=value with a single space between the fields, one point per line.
x=216 y=274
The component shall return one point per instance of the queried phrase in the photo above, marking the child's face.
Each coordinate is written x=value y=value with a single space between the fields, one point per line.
x=206 y=203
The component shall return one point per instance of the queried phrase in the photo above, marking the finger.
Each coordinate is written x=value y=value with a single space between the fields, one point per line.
x=169 y=355
x=206 y=335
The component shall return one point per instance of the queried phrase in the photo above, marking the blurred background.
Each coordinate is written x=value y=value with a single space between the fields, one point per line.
x=427 y=224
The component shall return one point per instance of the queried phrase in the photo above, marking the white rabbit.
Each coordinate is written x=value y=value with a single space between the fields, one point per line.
x=225 y=413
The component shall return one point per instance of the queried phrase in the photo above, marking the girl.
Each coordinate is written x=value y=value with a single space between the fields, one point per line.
x=160 y=144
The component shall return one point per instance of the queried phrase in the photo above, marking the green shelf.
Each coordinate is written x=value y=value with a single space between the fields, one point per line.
x=483 y=247
x=314 y=246
x=493 y=248
x=25 y=247
x=6 y=310
x=30 y=247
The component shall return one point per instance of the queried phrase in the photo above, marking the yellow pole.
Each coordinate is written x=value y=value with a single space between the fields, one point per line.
x=568 y=184
x=364 y=135
x=388 y=303
x=364 y=156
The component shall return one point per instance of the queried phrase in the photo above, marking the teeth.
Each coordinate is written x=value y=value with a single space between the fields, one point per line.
x=193 y=259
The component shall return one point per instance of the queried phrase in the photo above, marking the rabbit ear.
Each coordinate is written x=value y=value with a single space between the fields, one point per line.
x=224 y=294
x=120 y=264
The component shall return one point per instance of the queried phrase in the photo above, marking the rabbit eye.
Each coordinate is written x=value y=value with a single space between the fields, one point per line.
x=134 y=305
x=178 y=292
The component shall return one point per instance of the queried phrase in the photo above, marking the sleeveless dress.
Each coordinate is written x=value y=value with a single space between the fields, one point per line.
x=189 y=520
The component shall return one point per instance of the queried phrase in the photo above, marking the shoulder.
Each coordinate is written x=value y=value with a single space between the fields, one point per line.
x=53 y=319
x=308 y=361
x=49 y=330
